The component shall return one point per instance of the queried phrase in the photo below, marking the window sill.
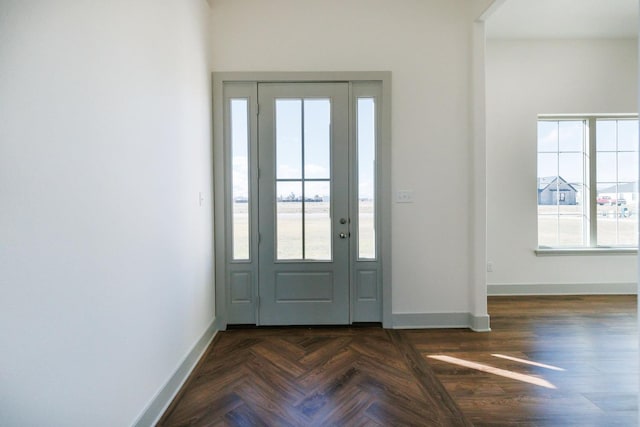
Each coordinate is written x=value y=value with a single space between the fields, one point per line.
x=585 y=251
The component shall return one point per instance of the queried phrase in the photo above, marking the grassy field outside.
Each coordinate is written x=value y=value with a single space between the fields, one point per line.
x=318 y=232
x=565 y=225
x=558 y=226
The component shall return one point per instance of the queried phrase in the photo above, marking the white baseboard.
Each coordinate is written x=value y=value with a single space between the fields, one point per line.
x=163 y=398
x=440 y=321
x=480 y=323
x=506 y=289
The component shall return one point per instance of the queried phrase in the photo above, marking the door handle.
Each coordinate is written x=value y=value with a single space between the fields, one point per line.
x=343 y=235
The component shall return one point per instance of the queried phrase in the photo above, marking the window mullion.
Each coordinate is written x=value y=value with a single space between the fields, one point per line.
x=304 y=209
x=592 y=179
x=558 y=216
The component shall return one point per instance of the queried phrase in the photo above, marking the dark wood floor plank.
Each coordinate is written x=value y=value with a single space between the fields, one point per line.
x=339 y=362
x=319 y=354
x=343 y=408
x=380 y=351
x=244 y=417
x=272 y=353
x=388 y=384
x=259 y=397
x=214 y=411
x=279 y=381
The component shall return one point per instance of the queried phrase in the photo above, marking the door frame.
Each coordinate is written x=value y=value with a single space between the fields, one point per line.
x=220 y=178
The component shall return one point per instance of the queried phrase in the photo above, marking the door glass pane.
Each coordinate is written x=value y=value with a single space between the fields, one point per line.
x=240 y=179
x=366 y=146
x=289 y=220
x=317 y=220
x=303 y=179
x=317 y=138
x=289 y=138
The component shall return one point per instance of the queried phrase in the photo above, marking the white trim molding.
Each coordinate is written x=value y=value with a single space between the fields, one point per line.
x=163 y=398
x=508 y=289
x=441 y=321
x=585 y=251
x=480 y=323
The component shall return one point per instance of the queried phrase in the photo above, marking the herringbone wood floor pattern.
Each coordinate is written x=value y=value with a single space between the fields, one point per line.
x=585 y=347
x=313 y=377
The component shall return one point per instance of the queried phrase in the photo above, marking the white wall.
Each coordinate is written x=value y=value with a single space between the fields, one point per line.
x=105 y=253
x=526 y=78
x=425 y=44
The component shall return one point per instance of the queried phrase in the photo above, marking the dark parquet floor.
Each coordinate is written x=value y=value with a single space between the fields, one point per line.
x=549 y=361
x=313 y=377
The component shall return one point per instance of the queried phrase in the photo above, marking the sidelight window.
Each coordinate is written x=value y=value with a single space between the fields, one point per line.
x=239 y=112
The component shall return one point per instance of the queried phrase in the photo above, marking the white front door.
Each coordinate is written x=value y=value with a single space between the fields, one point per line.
x=303 y=145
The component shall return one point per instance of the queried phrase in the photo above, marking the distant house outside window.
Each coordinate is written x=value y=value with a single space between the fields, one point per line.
x=587 y=181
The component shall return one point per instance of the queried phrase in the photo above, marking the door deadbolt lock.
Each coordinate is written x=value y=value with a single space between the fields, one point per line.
x=343 y=220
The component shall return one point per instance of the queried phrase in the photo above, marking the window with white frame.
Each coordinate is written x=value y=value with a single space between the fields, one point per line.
x=587 y=181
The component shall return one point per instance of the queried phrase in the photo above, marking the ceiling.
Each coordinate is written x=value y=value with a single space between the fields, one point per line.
x=573 y=19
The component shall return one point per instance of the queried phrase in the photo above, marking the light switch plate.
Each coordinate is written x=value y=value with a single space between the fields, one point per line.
x=404 y=196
